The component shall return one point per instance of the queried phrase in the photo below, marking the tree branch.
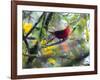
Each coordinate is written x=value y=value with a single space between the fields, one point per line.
x=47 y=20
x=34 y=25
x=27 y=45
x=41 y=56
x=30 y=38
x=56 y=43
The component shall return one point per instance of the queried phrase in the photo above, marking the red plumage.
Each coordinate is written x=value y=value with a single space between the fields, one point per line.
x=63 y=33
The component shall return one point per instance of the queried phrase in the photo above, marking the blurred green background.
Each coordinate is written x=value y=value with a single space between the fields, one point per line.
x=39 y=52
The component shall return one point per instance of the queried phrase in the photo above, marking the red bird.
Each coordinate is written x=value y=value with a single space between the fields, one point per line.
x=62 y=34
x=61 y=31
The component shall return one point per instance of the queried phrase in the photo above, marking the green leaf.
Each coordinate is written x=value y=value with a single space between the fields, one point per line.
x=44 y=32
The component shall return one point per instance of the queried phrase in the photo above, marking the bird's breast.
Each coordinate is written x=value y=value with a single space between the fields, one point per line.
x=61 y=34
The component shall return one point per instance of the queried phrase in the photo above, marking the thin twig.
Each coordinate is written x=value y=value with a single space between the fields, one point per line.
x=56 y=43
x=35 y=25
x=77 y=20
x=31 y=38
x=41 y=56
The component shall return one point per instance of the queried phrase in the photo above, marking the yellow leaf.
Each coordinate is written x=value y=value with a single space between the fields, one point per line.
x=47 y=52
x=43 y=42
x=51 y=61
x=27 y=27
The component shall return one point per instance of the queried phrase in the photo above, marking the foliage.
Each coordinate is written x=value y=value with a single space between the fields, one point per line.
x=39 y=51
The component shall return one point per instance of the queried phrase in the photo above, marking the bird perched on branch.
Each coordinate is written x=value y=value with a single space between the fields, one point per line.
x=61 y=30
x=62 y=34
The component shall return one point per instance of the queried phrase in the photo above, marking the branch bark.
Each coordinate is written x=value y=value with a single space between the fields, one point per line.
x=47 y=20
